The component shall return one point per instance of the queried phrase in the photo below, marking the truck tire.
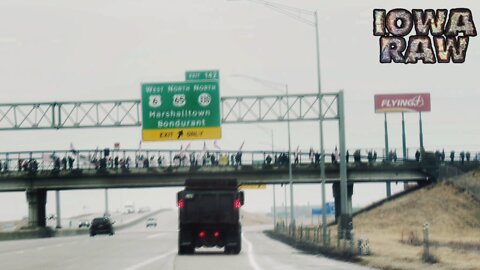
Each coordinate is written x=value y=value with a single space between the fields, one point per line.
x=233 y=250
x=184 y=235
x=183 y=250
x=238 y=247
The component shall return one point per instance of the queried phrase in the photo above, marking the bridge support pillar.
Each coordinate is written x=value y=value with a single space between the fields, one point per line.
x=59 y=217
x=37 y=200
x=344 y=220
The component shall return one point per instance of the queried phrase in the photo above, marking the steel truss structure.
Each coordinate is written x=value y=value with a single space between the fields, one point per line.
x=127 y=113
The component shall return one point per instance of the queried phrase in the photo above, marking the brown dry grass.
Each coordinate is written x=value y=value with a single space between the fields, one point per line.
x=250 y=218
x=470 y=182
x=452 y=214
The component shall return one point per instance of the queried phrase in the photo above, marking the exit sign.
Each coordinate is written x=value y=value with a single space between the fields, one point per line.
x=200 y=75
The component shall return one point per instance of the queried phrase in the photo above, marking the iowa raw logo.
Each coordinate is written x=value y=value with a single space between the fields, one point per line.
x=447 y=32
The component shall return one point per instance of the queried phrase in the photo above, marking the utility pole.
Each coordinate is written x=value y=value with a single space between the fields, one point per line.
x=292 y=210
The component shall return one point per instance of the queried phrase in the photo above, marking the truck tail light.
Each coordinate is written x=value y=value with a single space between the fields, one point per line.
x=237 y=203
x=181 y=204
x=202 y=234
x=216 y=234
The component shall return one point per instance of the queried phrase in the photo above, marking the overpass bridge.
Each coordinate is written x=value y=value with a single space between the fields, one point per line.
x=168 y=176
x=37 y=172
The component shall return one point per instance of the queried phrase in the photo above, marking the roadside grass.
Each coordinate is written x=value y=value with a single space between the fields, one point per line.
x=252 y=218
x=394 y=230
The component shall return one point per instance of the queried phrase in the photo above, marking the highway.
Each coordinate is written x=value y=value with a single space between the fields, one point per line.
x=156 y=248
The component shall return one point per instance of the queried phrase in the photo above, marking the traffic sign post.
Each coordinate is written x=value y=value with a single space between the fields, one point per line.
x=181 y=110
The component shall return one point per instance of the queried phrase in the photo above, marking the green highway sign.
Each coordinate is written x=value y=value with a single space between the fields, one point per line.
x=200 y=75
x=181 y=110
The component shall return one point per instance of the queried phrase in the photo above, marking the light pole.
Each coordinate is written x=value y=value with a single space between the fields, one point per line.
x=295 y=14
x=273 y=186
x=268 y=131
x=292 y=212
x=290 y=177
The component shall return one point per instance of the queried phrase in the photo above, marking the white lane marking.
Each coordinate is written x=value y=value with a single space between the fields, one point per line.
x=149 y=261
x=40 y=248
x=20 y=252
x=155 y=235
x=251 y=258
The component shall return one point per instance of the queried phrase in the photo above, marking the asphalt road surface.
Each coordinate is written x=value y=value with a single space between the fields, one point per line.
x=156 y=248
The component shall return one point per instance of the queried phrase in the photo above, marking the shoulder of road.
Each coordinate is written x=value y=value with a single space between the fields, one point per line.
x=394 y=228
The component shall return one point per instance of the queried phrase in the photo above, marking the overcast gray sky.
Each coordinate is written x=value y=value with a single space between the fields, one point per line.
x=103 y=50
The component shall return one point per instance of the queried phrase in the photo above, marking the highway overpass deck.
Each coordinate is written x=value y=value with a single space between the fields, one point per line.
x=176 y=175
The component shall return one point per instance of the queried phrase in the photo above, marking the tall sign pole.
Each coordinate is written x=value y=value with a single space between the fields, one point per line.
x=345 y=214
x=404 y=139
x=411 y=102
x=421 y=132
x=322 y=150
x=292 y=206
x=387 y=150
x=387 y=155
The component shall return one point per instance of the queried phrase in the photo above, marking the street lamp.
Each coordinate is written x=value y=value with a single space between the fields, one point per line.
x=268 y=131
x=276 y=85
x=296 y=13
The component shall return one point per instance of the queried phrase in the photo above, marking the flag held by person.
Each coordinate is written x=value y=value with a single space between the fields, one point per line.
x=216 y=145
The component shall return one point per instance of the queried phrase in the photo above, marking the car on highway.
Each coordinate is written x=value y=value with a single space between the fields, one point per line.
x=101 y=225
x=84 y=223
x=151 y=222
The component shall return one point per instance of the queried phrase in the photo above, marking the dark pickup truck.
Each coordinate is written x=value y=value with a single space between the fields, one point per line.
x=209 y=215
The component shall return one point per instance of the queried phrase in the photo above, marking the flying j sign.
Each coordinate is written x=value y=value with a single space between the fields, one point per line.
x=402 y=103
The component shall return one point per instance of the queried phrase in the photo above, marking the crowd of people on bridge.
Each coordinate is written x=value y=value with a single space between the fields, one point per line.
x=71 y=161
x=440 y=156
x=193 y=159
x=314 y=157
x=462 y=157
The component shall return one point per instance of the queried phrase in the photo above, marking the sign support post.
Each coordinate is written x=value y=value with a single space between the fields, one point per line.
x=421 y=132
x=404 y=139
x=387 y=151
x=412 y=102
x=387 y=154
